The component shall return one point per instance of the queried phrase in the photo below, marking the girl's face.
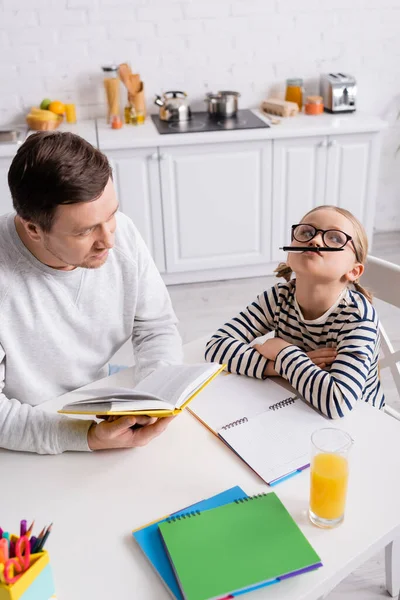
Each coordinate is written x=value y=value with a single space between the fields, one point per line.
x=326 y=266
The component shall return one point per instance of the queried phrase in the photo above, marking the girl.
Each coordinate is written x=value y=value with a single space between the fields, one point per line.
x=326 y=340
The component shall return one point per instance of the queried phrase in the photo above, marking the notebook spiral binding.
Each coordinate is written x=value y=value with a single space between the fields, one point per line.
x=235 y=423
x=282 y=403
x=188 y=515
x=255 y=497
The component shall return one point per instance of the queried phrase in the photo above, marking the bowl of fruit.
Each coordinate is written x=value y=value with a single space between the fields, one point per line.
x=47 y=117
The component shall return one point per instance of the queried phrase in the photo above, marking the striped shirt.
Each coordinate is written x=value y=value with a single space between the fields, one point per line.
x=351 y=326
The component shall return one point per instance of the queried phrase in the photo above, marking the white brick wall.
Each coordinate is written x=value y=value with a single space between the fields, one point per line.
x=55 y=48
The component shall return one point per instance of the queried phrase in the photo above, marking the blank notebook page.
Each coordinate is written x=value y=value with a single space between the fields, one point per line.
x=233 y=397
x=276 y=442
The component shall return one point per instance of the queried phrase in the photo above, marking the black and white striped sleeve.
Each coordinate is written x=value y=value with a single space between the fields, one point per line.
x=231 y=343
x=335 y=392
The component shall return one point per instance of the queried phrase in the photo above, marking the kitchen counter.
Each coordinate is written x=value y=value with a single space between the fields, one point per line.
x=100 y=134
x=85 y=129
x=144 y=136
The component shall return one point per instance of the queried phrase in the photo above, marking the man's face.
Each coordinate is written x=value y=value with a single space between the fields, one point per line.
x=83 y=233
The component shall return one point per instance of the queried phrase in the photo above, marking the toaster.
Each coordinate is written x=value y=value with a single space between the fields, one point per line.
x=338 y=91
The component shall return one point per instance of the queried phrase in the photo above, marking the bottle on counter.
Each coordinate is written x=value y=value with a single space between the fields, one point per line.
x=294 y=91
x=140 y=117
x=131 y=116
x=111 y=86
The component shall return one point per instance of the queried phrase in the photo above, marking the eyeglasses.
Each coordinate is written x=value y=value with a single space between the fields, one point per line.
x=332 y=238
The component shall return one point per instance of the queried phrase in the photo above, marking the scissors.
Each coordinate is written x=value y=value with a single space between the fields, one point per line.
x=20 y=562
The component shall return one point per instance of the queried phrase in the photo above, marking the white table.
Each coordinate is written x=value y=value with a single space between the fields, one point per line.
x=96 y=499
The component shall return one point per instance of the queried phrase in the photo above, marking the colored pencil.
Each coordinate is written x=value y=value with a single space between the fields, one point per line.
x=29 y=531
x=38 y=541
x=44 y=540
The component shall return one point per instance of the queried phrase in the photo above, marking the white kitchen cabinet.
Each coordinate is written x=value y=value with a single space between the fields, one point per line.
x=137 y=182
x=352 y=174
x=299 y=176
x=219 y=205
x=341 y=170
x=5 y=196
x=216 y=205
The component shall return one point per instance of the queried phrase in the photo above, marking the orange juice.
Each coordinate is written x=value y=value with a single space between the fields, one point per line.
x=329 y=475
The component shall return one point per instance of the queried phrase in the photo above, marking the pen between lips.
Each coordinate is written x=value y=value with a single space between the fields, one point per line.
x=309 y=249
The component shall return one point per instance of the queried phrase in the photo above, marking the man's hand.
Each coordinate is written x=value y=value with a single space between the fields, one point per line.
x=117 y=433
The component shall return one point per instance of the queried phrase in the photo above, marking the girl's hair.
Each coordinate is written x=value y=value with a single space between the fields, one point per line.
x=360 y=243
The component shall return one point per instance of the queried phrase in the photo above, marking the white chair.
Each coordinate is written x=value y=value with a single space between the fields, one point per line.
x=383 y=279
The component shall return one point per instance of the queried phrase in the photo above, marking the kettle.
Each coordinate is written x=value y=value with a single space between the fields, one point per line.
x=173 y=106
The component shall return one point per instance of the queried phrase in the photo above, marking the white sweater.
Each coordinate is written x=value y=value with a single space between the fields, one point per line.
x=59 y=330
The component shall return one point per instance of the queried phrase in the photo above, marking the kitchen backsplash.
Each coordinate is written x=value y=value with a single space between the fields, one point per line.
x=55 y=48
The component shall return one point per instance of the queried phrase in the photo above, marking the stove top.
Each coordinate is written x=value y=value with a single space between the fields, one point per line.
x=201 y=121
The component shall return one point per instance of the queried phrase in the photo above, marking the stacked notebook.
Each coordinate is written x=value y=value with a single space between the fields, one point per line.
x=262 y=422
x=227 y=545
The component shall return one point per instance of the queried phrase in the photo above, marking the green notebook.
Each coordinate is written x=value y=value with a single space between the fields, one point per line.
x=237 y=547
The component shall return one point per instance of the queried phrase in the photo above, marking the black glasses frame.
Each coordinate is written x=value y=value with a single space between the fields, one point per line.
x=324 y=231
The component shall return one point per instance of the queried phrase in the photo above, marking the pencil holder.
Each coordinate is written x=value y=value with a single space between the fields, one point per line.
x=36 y=583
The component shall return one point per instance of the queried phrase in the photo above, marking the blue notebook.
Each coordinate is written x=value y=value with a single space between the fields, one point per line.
x=150 y=542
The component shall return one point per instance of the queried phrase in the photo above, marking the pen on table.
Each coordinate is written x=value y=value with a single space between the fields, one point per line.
x=11 y=551
x=32 y=543
x=22 y=529
x=1 y=533
x=44 y=540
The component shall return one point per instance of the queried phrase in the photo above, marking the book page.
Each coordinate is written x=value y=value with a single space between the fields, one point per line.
x=176 y=383
x=233 y=397
x=116 y=405
x=276 y=442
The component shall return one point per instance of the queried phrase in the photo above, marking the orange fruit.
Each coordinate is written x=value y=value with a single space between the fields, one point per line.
x=57 y=107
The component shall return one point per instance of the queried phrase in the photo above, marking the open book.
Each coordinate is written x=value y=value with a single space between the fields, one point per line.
x=262 y=422
x=165 y=392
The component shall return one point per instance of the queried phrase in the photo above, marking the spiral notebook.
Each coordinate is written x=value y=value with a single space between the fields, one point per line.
x=236 y=548
x=151 y=544
x=262 y=422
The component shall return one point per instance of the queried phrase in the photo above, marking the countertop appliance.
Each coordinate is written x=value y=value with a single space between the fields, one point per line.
x=201 y=121
x=174 y=107
x=338 y=91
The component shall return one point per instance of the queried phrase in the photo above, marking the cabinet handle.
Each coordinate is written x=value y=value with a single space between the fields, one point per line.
x=332 y=143
x=153 y=156
x=163 y=156
x=323 y=144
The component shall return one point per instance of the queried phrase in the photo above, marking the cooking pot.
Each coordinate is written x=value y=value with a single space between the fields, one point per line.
x=222 y=104
x=173 y=106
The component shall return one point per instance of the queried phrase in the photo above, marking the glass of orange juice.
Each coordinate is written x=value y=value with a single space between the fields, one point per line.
x=329 y=476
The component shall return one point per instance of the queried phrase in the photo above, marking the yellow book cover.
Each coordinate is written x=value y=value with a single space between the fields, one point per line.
x=163 y=393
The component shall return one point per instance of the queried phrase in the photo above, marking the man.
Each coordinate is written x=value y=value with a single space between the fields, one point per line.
x=76 y=282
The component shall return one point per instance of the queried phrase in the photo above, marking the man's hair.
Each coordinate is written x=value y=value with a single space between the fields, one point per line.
x=53 y=168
